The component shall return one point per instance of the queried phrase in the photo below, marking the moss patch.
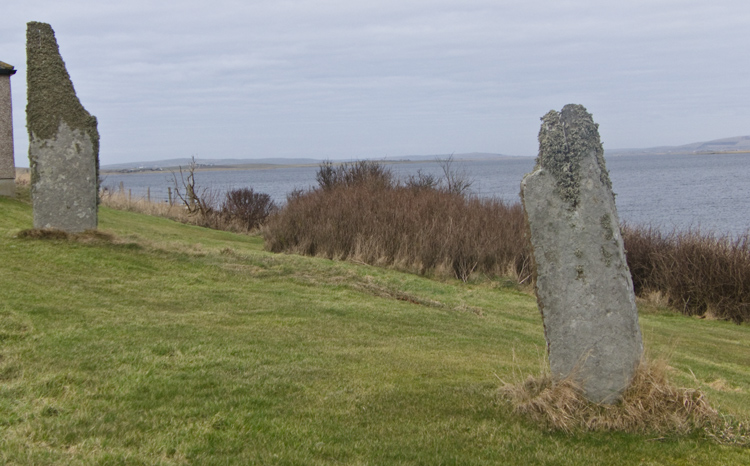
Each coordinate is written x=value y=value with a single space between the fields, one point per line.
x=51 y=96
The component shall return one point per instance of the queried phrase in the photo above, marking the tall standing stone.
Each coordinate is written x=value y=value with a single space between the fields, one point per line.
x=583 y=284
x=7 y=162
x=63 y=140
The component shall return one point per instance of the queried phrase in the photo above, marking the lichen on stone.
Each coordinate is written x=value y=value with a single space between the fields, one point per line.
x=606 y=223
x=606 y=256
x=564 y=139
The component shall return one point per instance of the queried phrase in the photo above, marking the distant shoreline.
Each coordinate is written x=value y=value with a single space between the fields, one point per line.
x=622 y=153
x=274 y=166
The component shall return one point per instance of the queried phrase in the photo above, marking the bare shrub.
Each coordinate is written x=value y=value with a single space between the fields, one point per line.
x=413 y=227
x=699 y=274
x=200 y=201
x=331 y=175
x=651 y=404
x=422 y=180
x=455 y=180
x=246 y=208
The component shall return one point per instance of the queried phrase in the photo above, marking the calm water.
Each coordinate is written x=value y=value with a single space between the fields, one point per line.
x=711 y=192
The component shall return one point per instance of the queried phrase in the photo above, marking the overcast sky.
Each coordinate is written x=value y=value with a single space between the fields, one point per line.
x=350 y=79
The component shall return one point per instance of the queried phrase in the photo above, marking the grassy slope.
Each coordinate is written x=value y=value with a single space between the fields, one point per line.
x=179 y=345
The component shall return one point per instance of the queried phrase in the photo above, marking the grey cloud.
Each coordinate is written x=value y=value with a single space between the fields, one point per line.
x=369 y=78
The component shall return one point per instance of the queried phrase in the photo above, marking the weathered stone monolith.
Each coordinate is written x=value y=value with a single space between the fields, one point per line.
x=583 y=284
x=7 y=161
x=63 y=140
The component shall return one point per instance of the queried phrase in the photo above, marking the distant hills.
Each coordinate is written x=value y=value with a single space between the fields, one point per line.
x=717 y=146
x=204 y=164
x=167 y=164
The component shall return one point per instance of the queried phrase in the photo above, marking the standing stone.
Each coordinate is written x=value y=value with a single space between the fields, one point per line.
x=583 y=284
x=7 y=162
x=63 y=140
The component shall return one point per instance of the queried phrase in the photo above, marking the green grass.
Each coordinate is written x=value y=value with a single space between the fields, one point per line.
x=171 y=344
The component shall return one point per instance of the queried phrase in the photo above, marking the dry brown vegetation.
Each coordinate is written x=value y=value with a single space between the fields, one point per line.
x=121 y=200
x=360 y=212
x=698 y=274
x=23 y=176
x=651 y=405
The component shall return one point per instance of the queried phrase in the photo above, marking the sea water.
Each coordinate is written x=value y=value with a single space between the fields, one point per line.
x=677 y=191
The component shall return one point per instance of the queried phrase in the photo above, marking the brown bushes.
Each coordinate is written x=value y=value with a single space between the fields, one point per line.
x=699 y=274
x=416 y=227
x=247 y=209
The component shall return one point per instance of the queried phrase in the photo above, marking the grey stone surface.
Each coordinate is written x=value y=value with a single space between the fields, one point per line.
x=583 y=284
x=8 y=188
x=63 y=140
x=7 y=161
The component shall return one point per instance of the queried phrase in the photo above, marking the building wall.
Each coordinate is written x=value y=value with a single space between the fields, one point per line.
x=7 y=162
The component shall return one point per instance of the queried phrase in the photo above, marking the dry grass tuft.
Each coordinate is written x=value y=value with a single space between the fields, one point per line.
x=651 y=405
x=23 y=176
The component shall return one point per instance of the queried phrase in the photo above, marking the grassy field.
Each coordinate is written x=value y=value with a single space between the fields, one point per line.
x=159 y=343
